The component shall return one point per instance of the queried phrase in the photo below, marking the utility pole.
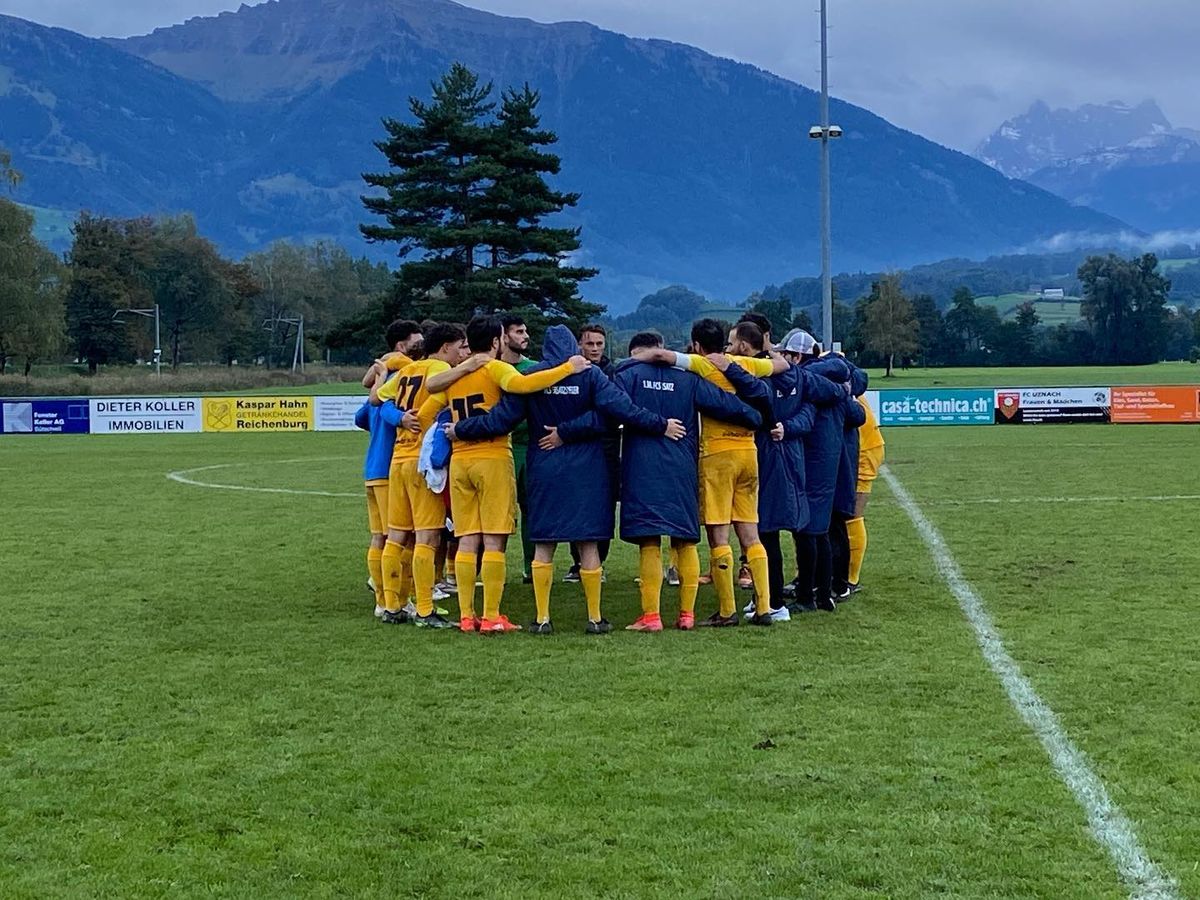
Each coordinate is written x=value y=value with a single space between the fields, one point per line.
x=825 y=133
x=149 y=313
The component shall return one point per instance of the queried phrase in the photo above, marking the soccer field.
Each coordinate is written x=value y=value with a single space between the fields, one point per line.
x=196 y=699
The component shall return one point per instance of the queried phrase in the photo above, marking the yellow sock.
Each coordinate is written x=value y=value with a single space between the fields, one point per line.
x=422 y=576
x=464 y=574
x=689 y=577
x=756 y=559
x=721 y=560
x=590 y=578
x=650 y=568
x=492 y=575
x=856 y=529
x=543 y=578
x=406 y=579
x=390 y=564
x=375 y=567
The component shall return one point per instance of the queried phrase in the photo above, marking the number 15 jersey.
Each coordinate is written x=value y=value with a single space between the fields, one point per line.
x=475 y=395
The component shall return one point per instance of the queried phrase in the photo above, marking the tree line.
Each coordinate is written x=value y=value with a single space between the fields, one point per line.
x=211 y=309
x=1126 y=320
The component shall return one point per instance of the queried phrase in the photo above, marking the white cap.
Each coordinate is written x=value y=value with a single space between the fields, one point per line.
x=798 y=342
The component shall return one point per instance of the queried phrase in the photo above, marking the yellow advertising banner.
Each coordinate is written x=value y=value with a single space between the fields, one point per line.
x=252 y=414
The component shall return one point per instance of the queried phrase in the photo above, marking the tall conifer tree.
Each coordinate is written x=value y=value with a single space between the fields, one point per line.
x=466 y=193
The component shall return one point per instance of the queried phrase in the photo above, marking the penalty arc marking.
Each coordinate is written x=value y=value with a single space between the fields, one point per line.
x=1109 y=824
x=183 y=476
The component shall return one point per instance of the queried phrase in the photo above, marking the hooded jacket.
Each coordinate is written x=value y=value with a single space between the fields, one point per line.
x=569 y=488
x=795 y=396
x=845 y=494
x=659 y=482
x=823 y=444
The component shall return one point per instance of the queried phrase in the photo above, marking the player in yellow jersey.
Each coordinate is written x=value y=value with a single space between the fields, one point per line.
x=404 y=340
x=728 y=465
x=482 y=483
x=402 y=337
x=413 y=509
x=870 y=458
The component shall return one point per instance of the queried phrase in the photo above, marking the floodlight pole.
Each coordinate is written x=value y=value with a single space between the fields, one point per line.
x=826 y=270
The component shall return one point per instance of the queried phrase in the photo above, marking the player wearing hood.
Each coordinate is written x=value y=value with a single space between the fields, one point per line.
x=796 y=396
x=482 y=484
x=845 y=496
x=570 y=495
x=822 y=456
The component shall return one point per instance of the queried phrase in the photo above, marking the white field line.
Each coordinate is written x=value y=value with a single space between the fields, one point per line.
x=993 y=501
x=181 y=476
x=1108 y=823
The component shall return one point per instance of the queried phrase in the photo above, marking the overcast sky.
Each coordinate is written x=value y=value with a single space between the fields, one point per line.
x=949 y=69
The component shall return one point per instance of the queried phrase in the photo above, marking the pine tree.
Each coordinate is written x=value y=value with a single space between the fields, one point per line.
x=465 y=196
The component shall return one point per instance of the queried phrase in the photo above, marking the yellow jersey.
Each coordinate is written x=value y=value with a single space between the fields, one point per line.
x=476 y=393
x=395 y=361
x=869 y=434
x=407 y=390
x=717 y=436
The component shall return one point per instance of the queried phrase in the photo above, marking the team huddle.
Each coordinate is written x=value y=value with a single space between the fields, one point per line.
x=739 y=435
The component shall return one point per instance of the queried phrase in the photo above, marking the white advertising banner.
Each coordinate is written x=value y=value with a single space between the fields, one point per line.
x=1034 y=406
x=145 y=415
x=336 y=413
x=872 y=398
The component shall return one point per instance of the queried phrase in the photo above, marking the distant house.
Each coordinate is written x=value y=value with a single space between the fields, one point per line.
x=1053 y=294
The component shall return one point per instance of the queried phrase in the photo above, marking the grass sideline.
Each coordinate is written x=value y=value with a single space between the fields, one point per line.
x=199 y=701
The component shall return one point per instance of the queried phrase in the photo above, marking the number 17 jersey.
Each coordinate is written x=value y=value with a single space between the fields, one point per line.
x=407 y=390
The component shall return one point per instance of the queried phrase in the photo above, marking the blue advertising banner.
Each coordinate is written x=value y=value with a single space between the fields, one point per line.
x=44 y=416
x=936 y=407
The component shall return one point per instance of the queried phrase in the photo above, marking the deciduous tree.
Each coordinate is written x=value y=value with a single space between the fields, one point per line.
x=890 y=327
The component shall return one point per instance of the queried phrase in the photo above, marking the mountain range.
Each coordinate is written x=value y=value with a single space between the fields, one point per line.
x=693 y=169
x=1127 y=161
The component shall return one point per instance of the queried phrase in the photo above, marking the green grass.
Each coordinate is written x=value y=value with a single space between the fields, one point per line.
x=1050 y=312
x=1039 y=376
x=198 y=701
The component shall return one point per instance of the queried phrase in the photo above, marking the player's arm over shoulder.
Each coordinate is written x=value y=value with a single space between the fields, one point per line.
x=509 y=379
x=757 y=366
x=429 y=410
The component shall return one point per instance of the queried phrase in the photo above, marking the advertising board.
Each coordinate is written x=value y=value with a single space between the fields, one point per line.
x=335 y=413
x=141 y=415
x=65 y=416
x=1035 y=406
x=1166 y=404
x=936 y=407
x=258 y=414
x=872 y=398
